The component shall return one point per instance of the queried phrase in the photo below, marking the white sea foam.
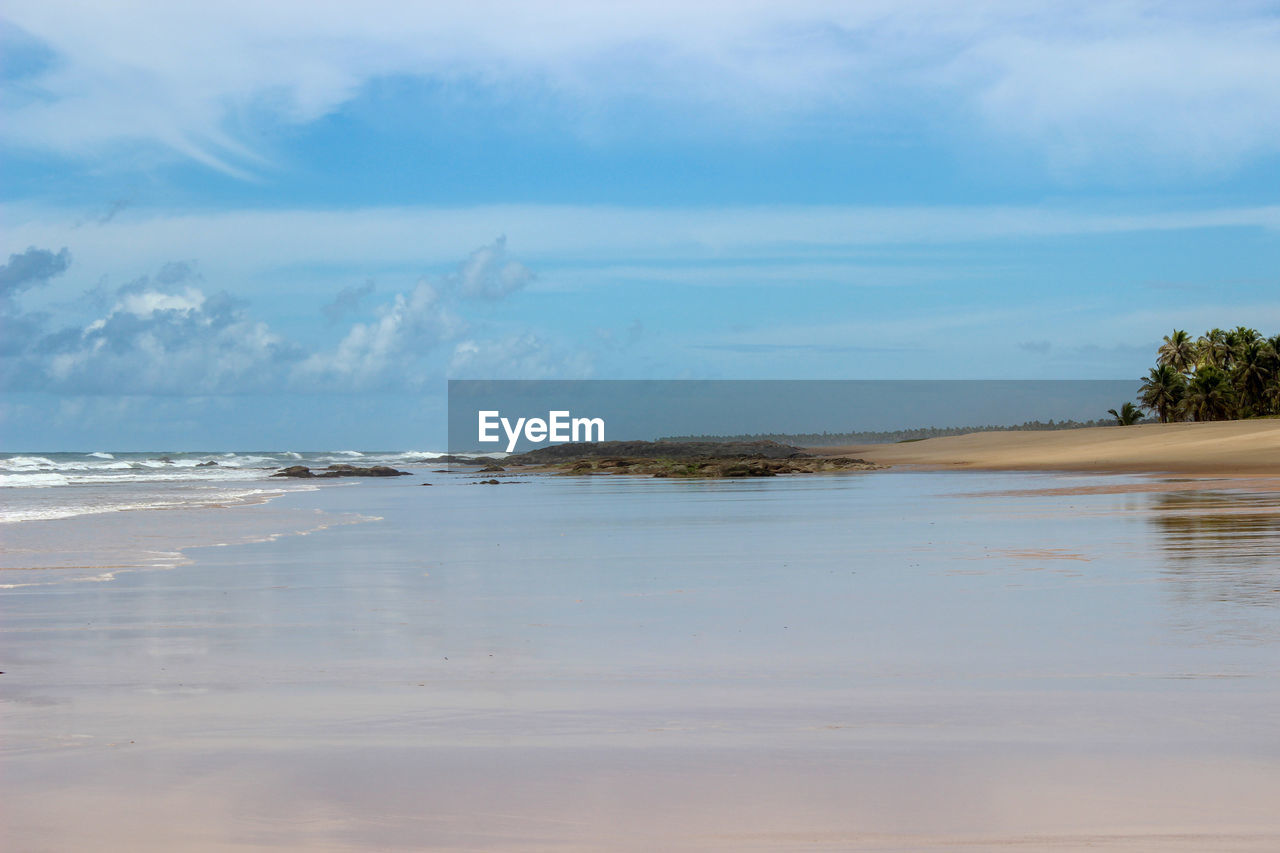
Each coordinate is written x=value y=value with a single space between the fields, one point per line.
x=62 y=485
x=34 y=480
x=121 y=502
x=27 y=463
x=413 y=456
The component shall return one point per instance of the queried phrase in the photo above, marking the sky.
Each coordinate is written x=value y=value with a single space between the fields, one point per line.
x=286 y=224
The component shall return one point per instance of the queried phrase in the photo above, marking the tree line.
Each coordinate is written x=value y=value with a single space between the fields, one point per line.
x=836 y=439
x=1222 y=375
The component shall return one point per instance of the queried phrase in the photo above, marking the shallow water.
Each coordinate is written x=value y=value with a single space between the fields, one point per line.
x=887 y=661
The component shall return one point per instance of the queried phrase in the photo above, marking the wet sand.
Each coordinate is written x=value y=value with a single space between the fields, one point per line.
x=1230 y=448
x=893 y=661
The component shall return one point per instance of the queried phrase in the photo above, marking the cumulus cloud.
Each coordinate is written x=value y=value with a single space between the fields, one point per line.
x=175 y=272
x=389 y=351
x=488 y=274
x=169 y=334
x=397 y=348
x=346 y=302
x=24 y=271
x=157 y=341
x=1197 y=83
x=31 y=268
x=159 y=335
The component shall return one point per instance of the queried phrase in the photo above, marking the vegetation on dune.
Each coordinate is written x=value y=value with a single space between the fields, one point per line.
x=837 y=439
x=1222 y=375
x=1128 y=414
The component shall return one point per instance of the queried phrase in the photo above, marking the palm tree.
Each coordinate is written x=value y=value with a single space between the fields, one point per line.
x=1162 y=390
x=1271 y=395
x=1215 y=349
x=1274 y=344
x=1251 y=374
x=1208 y=396
x=1242 y=336
x=1128 y=415
x=1178 y=351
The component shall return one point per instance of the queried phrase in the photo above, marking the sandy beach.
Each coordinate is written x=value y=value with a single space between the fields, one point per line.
x=889 y=660
x=1217 y=449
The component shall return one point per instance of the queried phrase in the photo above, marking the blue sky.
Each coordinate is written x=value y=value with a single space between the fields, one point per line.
x=286 y=224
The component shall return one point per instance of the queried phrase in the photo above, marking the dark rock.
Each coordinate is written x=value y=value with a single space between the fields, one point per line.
x=339 y=470
x=344 y=470
x=737 y=471
x=209 y=464
x=424 y=484
x=490 y=483
x=489 y=469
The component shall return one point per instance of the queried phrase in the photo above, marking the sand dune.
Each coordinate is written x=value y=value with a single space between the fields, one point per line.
x=1231 y=448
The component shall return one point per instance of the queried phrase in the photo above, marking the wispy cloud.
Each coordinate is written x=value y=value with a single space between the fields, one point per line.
x=245 y=242
x=1180 y=83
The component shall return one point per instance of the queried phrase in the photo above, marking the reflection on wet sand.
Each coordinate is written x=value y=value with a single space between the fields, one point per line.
x=1222 y=555
x=620 y=664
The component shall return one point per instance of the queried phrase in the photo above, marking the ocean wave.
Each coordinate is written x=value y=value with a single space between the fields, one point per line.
x=254 y=461
x=27 y=463
x=413 y=456
x=101 y=467
x=34 y=480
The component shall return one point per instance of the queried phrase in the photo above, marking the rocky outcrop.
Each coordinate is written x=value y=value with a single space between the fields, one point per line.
x=340 y=470
x=713 y=459
x=559 y=453
x=716 y=468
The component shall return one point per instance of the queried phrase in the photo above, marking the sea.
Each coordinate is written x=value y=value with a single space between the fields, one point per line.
x=61 y=485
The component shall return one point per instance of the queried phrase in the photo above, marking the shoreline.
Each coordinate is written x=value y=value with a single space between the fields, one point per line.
x=1234 y=449
x=99 y=546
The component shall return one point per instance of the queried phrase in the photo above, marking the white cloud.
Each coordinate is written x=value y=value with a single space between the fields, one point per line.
x=269 y=245
x=1191 y=83
x=157 y=342
x=164 y=335
x=488 y=274
x=388 y=351
x=150 y=301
